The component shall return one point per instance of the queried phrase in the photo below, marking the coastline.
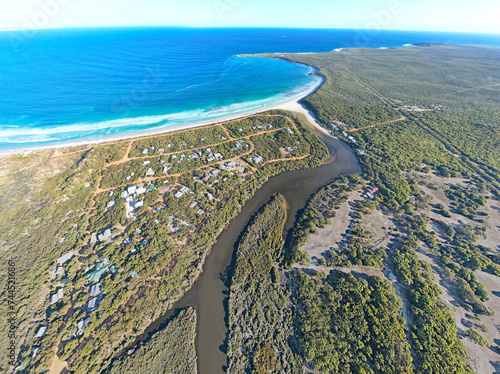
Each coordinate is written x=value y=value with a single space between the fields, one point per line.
x=290 y=104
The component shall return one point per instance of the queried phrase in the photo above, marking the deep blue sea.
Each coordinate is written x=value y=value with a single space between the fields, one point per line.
x=73 y=85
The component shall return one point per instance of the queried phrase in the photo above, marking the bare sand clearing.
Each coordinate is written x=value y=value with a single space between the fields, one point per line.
x=492 y=209
x=483 y=359
x=332 y=234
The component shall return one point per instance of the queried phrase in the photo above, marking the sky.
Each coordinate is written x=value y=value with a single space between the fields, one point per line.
x=434 y=15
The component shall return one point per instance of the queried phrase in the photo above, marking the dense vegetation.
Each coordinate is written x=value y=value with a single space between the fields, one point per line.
x=340 y=323
x=350 y=324
x=150 y=258
x=260 y=320
x=449 y=92
x=171 y=350
x=434 y=333
x=279 y=321
x=443 y=104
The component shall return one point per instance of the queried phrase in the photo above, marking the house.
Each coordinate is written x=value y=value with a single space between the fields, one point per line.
x=145 y=151
x=146 y=162
x=104 y=235
x=138 y=204
x=140 y=191
x=124 y=194
x=35 y=351
x=215 y=172
x=95 y=289
x=200 y=212
x=150 y=172
x=92 y=304
x=206 y=177
x=218 y=156
x=41 y=331
x=145 y=241
x=55 y=297
x=99 y=271
x=151 y=188
x=81 y=326
x=178 y=194
x=65 y=258
x=93 y=239
x=210 y=196
x=257 y=159
x=129 y=209
x=193 y=204
x=111 y=193
x=131 y=190
x=111 y=204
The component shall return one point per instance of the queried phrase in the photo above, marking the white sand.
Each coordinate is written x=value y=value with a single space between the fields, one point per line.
x=292 y=104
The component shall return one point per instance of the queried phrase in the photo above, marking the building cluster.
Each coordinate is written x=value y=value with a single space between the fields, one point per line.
x=132 y=202
x=257 y=159
x=95 y=290
x=371 y=191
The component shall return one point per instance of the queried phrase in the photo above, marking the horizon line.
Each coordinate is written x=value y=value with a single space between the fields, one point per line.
x=244 y=27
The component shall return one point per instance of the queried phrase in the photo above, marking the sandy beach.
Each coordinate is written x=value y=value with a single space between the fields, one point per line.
x=291 y=104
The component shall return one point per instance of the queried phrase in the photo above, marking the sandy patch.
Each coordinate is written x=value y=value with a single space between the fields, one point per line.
x=492 y=209
x=333 y=233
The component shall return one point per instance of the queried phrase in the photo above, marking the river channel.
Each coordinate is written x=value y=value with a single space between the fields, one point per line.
x=208 y=293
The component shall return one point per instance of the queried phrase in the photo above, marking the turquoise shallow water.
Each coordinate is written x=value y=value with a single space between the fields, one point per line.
x=73 y=85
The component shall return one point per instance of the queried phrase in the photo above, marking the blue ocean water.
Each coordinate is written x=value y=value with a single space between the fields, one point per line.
x=73 y=85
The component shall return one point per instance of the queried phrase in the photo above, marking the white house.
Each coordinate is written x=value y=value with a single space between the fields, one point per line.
x=41 y=331
x=65 y=258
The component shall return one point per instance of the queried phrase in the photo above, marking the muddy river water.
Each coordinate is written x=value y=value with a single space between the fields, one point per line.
x=208 y=293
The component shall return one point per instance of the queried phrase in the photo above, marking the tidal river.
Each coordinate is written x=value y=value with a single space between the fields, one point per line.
x=208 y=293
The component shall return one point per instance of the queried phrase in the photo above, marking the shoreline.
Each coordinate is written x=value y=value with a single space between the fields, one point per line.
x=292 y=102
